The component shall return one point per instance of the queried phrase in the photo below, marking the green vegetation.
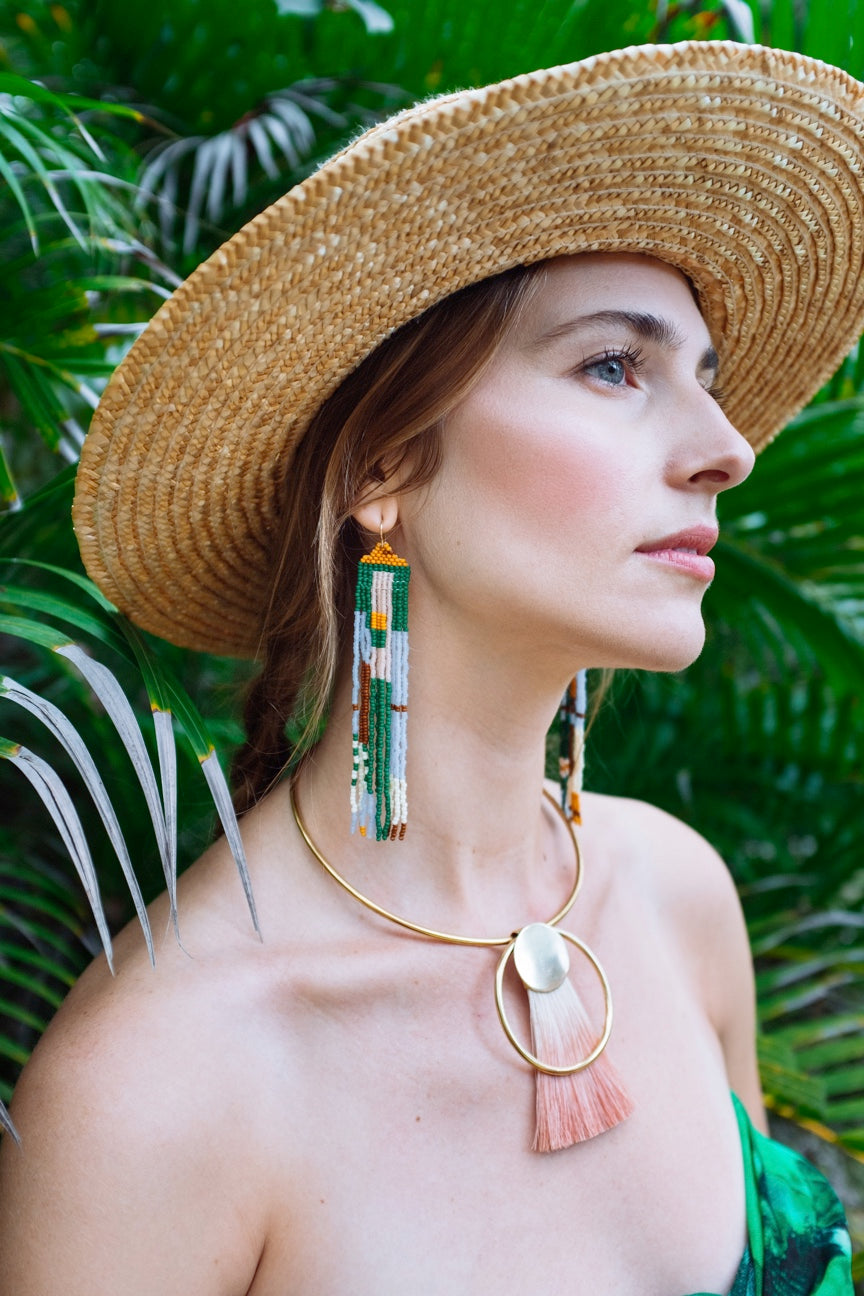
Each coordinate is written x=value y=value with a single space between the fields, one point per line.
x=133 y=139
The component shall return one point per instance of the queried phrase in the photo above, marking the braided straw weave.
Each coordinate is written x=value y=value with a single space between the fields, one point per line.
x=741 y=165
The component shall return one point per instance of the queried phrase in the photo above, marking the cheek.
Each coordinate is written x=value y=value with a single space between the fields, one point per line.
x=535 y=462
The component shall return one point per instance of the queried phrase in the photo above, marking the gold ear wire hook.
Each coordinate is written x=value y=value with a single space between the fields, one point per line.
x=381 y=529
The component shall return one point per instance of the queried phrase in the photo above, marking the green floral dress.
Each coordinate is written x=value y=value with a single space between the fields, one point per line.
x=798 y=1243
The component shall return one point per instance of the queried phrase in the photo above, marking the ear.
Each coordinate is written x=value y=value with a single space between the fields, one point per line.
x=377 y=514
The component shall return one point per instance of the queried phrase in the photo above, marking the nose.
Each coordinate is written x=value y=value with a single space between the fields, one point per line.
x=719 y=456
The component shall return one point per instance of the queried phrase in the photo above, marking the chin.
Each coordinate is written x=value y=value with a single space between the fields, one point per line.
x=673 y=650
x=674 y=663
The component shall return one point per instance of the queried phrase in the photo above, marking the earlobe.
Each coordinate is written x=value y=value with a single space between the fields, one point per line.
x=378 y=515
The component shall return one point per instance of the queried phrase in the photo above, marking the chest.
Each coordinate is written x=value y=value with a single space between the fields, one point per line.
x=402 y=1156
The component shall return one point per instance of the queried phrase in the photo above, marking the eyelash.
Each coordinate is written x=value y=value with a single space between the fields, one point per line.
x=634 y=359
x=630 y=356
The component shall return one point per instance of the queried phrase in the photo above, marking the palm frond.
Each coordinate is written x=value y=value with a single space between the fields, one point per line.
x=166 y=698
x=66 y=733
x=43 y=948
x=278 y=134
x=31 y=151
x=68 y=235
x=57 y=801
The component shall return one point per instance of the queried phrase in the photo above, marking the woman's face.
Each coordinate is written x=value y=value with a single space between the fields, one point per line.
x=581 y=473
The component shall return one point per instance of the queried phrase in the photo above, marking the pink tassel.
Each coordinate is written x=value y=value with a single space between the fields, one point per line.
x=571 y=1108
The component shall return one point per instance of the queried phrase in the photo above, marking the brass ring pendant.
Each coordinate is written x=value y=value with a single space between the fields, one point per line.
x=529 y=1057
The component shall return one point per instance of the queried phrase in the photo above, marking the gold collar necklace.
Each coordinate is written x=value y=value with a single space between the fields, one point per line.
x=575 y=1100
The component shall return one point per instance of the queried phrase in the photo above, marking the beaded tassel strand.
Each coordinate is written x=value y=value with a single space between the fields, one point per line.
x=571 y=761
x=380 y=695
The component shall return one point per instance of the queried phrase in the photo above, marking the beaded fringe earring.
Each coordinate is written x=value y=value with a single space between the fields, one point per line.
x=571 y=762
x=379 y=795
x=583 y=1103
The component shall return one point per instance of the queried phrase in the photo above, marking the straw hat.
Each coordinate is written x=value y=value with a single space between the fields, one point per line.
x=741 y=165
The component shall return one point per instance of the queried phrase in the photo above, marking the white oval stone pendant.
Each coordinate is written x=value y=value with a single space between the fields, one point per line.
x=541 y=957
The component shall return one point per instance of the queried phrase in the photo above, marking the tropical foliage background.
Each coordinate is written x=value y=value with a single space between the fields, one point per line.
x=134 y=138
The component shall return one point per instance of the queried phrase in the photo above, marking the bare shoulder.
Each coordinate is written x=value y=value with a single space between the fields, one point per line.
x=681 y=880
x=666 y=858
x=147 y=1079
x=212 y=979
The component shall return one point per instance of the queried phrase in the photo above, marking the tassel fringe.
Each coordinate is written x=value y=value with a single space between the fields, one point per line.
x=379 y=796
x=571 y=1108
x=571 y=738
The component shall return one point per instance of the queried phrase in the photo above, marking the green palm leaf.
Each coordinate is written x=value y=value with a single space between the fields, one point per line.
x=166 y=698
x=58 y=803
x=107 y=627
x=58 y=724
x=68 y=237
x=212 y=172
x=42 y=950
x=27 y=140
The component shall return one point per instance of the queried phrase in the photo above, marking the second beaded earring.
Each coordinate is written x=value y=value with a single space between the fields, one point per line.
x=571 y=729
x=379 y=793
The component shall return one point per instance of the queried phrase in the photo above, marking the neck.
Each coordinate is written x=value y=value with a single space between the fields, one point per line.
x=481 y=851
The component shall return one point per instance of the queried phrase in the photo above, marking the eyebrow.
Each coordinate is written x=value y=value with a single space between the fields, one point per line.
x=650 y=328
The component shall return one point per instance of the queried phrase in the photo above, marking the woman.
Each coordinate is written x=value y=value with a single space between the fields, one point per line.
x=488 y=335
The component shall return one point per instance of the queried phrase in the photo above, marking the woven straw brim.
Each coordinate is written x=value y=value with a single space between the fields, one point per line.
x=740 y=165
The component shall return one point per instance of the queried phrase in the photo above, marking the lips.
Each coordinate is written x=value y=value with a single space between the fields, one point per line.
x=685 y=550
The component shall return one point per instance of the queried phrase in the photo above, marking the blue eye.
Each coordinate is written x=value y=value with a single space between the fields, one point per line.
x=610 y=369
x=614 y=368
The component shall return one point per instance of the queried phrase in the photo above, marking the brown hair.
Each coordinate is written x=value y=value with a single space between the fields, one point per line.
x=384 y=419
